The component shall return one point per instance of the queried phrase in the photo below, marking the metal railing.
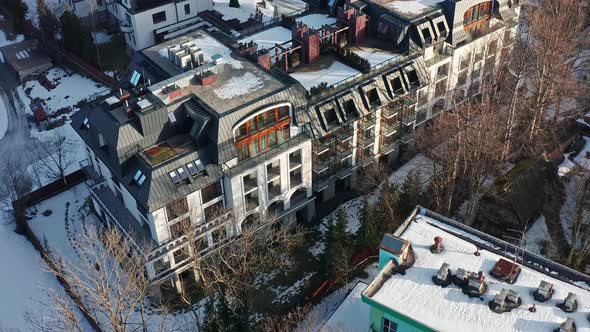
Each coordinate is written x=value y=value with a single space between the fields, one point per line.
x=305 y=135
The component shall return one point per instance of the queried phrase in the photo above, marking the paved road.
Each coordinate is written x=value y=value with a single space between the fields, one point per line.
x=17 y=135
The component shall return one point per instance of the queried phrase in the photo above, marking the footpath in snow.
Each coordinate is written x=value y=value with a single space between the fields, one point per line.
x=3 y=116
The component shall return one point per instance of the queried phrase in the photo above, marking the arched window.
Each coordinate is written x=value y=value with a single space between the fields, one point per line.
x=262 y=131
x=477 y=18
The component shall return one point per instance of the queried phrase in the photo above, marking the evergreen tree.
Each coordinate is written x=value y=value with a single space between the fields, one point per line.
x=234 y=3
x=339 y=248
x=18 y=11
x=46 y=22
x=77 y=38
x=368 y=232
x=410 y=194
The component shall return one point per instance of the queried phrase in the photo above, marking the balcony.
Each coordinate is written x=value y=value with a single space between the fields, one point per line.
x=388 y=145
x=391 y=110
x=321 y=147
x=344 y=134
x=408 y=116
x=408 y=137
x=410 y=99
x=320 y=165
x=389 y=127
x=365 y=158
x=344 y=170
x=321 y=180
x=367 y=122
x=365 y=138
x=230 y=148
x=343 y=150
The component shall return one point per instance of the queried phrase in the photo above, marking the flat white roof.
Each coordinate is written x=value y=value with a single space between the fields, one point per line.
x=316 y=21
x=269 y=38
x=352 y=314
x=333 y=73
x=448 y=309
x=409 y=8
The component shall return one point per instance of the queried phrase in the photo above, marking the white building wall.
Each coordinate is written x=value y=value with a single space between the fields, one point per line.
x=158 y=226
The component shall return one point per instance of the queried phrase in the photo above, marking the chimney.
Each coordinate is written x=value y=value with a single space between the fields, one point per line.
x=264 y=60
x=437 y=247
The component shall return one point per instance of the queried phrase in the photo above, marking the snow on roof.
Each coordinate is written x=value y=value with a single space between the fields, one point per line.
x=408 y=8
x=209 y=45
x=316 y=21
x=352 y=314
x=448 y=309
x=239 y=86
x=268 y=38
x=375 y=56
x=247 y=8
x=336 y=72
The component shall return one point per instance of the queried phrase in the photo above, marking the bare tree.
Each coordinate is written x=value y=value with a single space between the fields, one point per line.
x=15 y=180
x=470 y=152
x=59 y=314
x=579 y=214
x=53 y=157
x=109 y=279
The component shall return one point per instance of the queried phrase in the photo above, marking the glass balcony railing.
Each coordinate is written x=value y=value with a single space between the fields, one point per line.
x=391 y=110
x=344 y=134
x=365 y=137
x=368 y=121
x=389 y=127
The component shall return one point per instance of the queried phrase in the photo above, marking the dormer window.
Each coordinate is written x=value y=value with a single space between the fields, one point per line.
x=139 y=177
x=349 y=107
x=196 y=168
x=373 y=97
x=86 y=123
x=427 y=36
x=175 y=177
x=101 y=142
x=330 y=116
x=397 y=85
x=442 y=29
x=413 y=77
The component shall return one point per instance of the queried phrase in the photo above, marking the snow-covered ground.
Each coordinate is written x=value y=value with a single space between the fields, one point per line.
x=4 y=41
x=33 y=14
x=336 y=72
x=333 y=311
x=3 y=118
x=536 y=235
x=316 y=21
x=60 y=232
x=25 y=279
x=268 y=38
x=566 y=165
x=70 y=89
x=247 y=8
x=352 y=314
x=583 y=158
x=411 y=7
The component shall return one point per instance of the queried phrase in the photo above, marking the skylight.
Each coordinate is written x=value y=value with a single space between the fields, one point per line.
x=139 y=177
x=196 y=167
x=182 y=173
x=175 y=177
x=86 y=123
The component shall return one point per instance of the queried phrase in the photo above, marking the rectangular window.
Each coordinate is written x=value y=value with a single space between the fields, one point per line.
x=159 y=17
x=442 y=71
x=462 y=79
x=440 y=88
x=187 y=9
x=211 y=192
x=177 y=209
x=389 y=326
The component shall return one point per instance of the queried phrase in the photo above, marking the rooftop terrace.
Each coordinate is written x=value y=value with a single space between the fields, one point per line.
x=415 y=295
x=237 y=80
x=409 y=9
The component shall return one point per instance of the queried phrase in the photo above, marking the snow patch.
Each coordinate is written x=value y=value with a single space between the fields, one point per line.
x=101 y=37
x=239 y=86
x=413 y=7
x=293 y=290
x=4 y=41
x=352 y=314
x=3 y=118
x=269 y=38
x=335 y=73
x=210 y=47
x=536 y=235
x=316 y=21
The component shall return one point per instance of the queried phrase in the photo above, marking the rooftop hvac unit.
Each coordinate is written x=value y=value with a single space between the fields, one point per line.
x=570 y=304
x=443 y=276
x=144 y=104
x=505 y=301
x=184 y=61
x=217 y=58
x=197 y=56
x=568 y=326
x=544 y=292
x=171 y=50
x=186 y=44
